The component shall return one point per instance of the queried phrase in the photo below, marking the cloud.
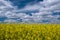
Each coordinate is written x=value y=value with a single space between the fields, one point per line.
x=10 y=21
x=44 y=14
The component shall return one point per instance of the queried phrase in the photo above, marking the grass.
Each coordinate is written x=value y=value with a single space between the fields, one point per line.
x=29 y=31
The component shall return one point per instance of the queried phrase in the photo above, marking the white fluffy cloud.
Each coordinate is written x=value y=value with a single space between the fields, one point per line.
x=45 y=8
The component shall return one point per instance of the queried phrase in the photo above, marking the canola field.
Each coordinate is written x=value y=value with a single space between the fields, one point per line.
x=29 y=31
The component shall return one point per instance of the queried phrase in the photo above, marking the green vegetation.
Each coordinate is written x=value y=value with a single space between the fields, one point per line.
x=29 y=31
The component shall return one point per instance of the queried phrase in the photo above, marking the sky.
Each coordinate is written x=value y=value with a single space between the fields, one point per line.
x=29 y=11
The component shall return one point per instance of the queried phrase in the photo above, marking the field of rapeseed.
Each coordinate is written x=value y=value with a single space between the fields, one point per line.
x=29 y=32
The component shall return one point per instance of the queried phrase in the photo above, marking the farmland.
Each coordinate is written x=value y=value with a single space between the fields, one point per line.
x=29 y=31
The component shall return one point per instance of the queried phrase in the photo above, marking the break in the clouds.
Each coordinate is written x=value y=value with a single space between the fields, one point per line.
x=32 y=11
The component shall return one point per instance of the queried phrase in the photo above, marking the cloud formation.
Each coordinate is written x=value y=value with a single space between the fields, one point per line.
x=41 y=12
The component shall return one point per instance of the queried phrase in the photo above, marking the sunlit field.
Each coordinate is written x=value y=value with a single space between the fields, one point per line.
x=29 y=31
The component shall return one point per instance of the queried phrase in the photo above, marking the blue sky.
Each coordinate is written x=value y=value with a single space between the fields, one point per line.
x=22 y=3
x=30 y=11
